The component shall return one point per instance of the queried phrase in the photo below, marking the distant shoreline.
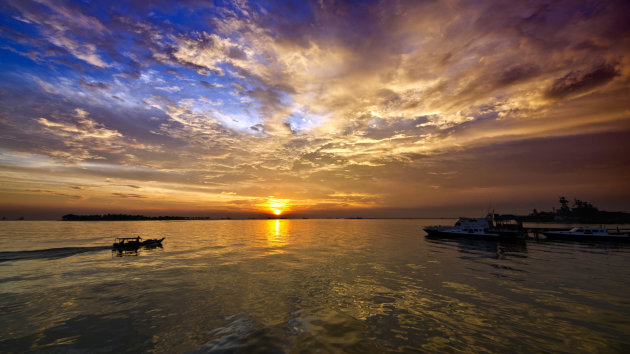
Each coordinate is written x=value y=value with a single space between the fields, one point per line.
x=193 y=218
x=581 y=213
x=601 y=218
x=124 y=217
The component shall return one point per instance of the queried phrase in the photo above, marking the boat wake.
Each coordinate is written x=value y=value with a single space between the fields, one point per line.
x=51 y=253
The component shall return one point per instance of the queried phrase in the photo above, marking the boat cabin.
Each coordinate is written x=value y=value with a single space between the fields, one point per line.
x=472 y=225
x=128 y=241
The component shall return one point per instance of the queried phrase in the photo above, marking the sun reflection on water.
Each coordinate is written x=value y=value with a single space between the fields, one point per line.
x=277 y=233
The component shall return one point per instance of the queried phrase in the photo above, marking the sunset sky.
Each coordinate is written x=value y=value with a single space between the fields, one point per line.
x=312 y=108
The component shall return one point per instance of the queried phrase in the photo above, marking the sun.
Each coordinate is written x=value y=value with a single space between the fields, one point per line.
x=276 y=206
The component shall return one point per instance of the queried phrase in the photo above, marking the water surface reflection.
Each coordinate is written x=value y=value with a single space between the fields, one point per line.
x=277 y=235
x=309 y=285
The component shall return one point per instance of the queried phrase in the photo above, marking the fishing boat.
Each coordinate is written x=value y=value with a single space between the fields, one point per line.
x=136 y=242
x=586 y=234
x=493 y=226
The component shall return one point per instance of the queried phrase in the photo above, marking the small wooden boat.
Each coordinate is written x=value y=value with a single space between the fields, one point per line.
x=136 y=242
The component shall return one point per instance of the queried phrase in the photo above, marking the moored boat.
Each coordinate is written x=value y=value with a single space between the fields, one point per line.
x=491 y=227
x=586 y=234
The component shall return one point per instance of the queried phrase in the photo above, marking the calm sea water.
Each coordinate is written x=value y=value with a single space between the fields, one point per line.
x=305 y=286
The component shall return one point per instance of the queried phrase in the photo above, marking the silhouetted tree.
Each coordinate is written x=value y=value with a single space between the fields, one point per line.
x=584 y=211
x=564 y=208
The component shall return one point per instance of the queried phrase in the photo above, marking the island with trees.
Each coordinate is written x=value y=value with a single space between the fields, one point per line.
x=579 y=212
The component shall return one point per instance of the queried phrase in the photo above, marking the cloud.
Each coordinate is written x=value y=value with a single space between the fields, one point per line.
x=81 y=129
x=60 y=25
x=128 y=195
x=209 y=85
x=326 y=101
x=206 y=52
x=519 y=73
x=577 y=82
x=94 y=85
x=169 y=88
x=49 y=192
x=82 y=137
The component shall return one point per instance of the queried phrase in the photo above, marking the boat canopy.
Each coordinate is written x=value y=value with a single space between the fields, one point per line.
x=120 y=239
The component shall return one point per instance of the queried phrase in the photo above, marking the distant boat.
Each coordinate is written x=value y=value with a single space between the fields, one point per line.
x=586 y=234
x=491 y=227
x=136 y=242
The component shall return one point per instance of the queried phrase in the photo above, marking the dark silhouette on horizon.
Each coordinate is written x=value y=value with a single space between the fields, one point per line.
x=581 y=212
x=121 y=217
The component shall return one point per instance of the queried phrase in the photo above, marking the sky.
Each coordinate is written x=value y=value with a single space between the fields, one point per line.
x=312 y=108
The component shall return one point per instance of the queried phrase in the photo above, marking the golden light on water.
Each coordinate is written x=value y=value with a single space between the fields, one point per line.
x=277 y=236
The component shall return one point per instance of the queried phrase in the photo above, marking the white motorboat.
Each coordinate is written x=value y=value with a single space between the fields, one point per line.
x=586 y=233
x=477 y=228
x=493 y=226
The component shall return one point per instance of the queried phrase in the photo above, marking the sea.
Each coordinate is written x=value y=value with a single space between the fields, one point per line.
x=305 y=286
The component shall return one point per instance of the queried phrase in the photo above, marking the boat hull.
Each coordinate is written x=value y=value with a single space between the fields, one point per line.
x=133 y=245
x=153 y=242
x=434 y=232
x=127 y=246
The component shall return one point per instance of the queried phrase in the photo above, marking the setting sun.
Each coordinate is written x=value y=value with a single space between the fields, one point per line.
x=276 y=206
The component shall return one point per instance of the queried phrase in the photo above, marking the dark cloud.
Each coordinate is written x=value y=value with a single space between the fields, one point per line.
x=24 y=38
x=258 y=128
x=379 y=128
x=128 y=185
x=267 y=97
x=517 y=74
x=578 y=81
x=206 y=84
x=45 y=191
x=128 y=195
x=133 y=69
x=54 y=51
x=236 y=53
x=519 y=162
x=93 y=85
